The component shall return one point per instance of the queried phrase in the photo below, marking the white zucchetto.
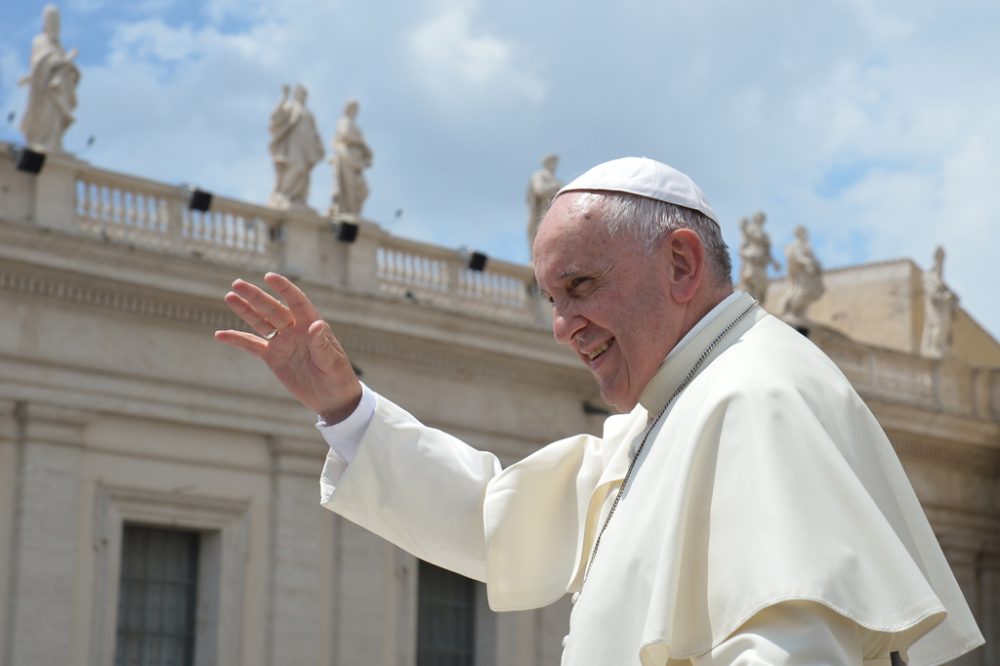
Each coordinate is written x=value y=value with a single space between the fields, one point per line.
x=645 y=178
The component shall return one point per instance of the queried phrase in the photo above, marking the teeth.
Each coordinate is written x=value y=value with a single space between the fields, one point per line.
x=597 y=352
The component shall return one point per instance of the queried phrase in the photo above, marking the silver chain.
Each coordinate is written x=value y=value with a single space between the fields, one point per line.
x=631 y=466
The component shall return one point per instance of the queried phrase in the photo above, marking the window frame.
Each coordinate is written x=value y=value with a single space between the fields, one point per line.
x=223 y=524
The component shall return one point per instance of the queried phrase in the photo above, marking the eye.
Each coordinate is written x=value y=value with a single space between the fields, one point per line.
x=579 y=286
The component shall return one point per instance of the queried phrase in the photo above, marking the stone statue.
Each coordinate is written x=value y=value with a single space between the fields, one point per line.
x=805 y=278
x=542 y=189
x=295 y=149
x=351 y=156
x=755 y=255
x=940 y=304
x=52 y=79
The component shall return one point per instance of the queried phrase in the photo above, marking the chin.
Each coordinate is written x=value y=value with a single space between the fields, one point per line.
x=618 y=402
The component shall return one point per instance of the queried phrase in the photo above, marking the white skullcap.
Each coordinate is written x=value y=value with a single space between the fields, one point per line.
x=646 y=178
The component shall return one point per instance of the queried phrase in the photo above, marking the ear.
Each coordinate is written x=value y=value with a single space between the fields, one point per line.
x=687 y=264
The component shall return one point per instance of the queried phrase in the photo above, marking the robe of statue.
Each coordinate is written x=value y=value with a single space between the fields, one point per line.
x=295 y=149
x=755 y=254
x=52 y=81
x=351 y=156
x=542 y=188
x=767 y=480
x=940 y=304
x=805 y=278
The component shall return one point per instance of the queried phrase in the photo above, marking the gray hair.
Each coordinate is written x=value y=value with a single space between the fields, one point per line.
x=649 y=221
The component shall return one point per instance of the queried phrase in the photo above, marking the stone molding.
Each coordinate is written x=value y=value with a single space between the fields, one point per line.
x=29 y=281
x=972 y=459
x=145 y=302
x=224 y=524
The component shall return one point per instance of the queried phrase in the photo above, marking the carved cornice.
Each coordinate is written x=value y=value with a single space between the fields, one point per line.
x=969 y=458
x=34 y=282
x=440 y=355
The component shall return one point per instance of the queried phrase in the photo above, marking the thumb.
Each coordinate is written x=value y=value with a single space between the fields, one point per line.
x=324 y=348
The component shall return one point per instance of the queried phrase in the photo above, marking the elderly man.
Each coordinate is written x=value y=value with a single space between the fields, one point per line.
x=745 y=507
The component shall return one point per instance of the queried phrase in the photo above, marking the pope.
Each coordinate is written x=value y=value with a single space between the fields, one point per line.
x=744 y=507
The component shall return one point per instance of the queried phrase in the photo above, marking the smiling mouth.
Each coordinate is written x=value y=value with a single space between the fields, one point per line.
x=593 y=354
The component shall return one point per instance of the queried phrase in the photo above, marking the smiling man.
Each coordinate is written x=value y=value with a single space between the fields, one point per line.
x=745 y=507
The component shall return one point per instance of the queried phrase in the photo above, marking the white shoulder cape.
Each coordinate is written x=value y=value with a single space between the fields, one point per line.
x=767 y=480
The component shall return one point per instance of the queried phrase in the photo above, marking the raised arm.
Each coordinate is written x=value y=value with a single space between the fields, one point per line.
x=296 y=344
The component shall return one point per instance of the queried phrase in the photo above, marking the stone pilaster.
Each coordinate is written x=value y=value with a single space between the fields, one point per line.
x=43 y=567
x=989 y=610
x=301 y=566
x=9 y=465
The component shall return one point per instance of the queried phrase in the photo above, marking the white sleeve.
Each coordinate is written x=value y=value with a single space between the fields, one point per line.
x=791 y=633
x=345 y=437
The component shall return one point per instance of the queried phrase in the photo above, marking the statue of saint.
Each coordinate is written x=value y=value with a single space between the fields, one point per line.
x=295 y=149
x=542 y=189
x=52 y=79
x=755 y=255
x=351 y=156
x=940 y=304
x=805 y=278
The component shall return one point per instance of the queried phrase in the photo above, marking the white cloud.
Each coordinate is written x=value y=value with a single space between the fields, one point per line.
x=460 y=67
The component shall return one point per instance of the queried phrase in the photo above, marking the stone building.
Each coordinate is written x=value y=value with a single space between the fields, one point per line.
x=159 y=488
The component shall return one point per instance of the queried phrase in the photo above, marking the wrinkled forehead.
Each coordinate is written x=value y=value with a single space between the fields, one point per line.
x=572 y=215
x=573 y=234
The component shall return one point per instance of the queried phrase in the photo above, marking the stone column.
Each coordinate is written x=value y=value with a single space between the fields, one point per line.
x=299 y=616
x=43 y=551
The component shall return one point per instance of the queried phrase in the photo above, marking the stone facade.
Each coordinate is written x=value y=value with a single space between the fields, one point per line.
x=117 y=407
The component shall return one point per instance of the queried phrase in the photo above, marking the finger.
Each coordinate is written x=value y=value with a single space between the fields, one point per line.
x=247 y=313
x=266 y=305
x=301 y=307
x=243 y=340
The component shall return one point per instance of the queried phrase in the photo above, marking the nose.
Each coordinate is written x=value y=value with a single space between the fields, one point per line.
x=565 y=325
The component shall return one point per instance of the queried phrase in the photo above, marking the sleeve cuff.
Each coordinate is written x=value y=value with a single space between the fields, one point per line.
x=345 y=437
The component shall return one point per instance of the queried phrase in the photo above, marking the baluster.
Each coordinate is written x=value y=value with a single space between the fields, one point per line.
x=94 y=202
x=80 y=203
x=116 y=209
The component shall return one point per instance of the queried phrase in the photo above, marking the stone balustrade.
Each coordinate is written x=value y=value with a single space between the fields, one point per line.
x=440 y=277
x=151 y=215
x=76 y=197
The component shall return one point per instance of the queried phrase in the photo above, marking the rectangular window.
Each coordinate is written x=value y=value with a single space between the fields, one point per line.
x=157 y=595
x=446 y=619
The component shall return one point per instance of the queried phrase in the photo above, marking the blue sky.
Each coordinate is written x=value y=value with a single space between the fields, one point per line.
x=875 y=124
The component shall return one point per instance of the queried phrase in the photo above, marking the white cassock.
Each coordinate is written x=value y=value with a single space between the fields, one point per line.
x=766 y=493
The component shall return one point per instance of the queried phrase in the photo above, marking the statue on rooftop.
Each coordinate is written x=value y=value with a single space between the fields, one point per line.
x=52 y=79
x=755 y=255
x=351 y=156
x=542 y=188
x=940 y=305
x=295 y=149
x=805 y=278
